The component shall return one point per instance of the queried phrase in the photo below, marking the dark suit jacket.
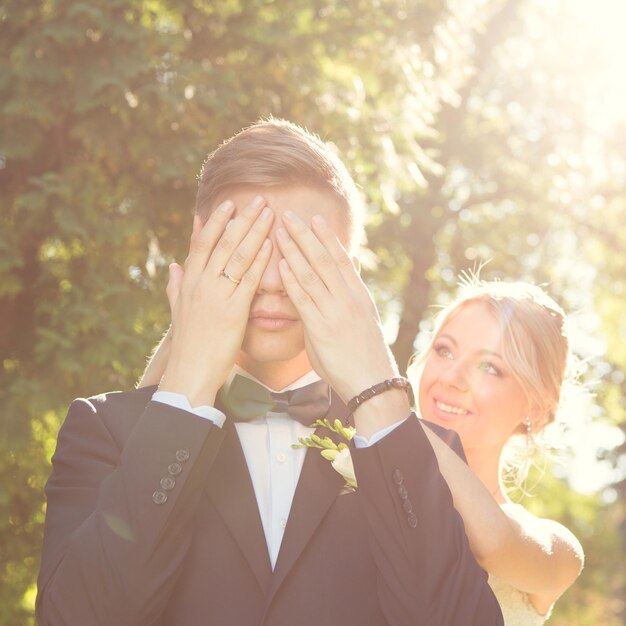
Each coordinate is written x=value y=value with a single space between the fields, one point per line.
x=117 y=553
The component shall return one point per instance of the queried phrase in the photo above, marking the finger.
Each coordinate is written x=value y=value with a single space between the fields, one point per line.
x=314 y=251
x=252 y=277
x=234 y=235
x=306 y=276
x=245 y=253
x=343 y=261
x=197 y=228
x=305 y=305
x=176 y=274
x=203 y=244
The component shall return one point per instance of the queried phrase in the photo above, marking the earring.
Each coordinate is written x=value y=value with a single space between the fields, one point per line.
x=530 y=442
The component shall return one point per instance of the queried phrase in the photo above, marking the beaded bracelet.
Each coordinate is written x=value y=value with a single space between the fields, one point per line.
x=398 y=382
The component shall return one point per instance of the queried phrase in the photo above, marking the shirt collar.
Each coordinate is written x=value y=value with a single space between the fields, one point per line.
x=310 y=377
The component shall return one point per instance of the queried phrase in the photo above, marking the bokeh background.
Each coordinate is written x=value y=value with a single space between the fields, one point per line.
x=479 y=130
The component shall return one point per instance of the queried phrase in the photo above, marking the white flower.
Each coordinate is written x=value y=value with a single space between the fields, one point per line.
x=337 y=453
x=343 y=465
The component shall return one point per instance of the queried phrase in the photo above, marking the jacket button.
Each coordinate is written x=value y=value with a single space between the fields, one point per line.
x=182 y=455
x=159 y=497
x=412 y=520
x=168 y=483
x=174 y=469
x=398 y=477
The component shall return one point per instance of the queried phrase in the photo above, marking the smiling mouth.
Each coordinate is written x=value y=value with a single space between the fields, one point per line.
x=449 y=408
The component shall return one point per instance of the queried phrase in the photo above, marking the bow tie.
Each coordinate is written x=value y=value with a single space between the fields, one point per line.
x=245 y=400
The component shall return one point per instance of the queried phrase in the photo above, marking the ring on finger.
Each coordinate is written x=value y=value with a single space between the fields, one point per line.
x=231 y=278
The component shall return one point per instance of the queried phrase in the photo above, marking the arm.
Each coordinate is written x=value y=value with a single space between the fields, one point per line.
x=111 y=553
x=157 y=361
x=116 y=535
x=540 y=557
x=426 y=572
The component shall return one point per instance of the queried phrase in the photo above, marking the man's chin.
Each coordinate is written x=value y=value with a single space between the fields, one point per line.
x=272 y=349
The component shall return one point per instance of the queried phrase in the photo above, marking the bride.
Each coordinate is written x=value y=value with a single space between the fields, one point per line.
x=493 y=373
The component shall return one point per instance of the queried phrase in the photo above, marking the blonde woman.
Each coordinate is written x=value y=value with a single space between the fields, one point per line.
x=493 y=372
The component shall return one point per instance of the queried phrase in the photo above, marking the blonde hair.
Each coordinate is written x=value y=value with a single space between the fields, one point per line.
x=275 y=152
x=535 y=346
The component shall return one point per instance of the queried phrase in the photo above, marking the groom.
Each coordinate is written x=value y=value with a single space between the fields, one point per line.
x=185 y=504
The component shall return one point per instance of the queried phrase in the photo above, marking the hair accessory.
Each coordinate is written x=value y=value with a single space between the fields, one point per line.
x=398 y=382
x=231 y=278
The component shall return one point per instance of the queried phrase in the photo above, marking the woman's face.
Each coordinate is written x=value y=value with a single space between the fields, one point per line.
x=466 y=385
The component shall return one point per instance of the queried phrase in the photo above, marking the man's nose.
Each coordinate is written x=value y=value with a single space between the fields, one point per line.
x=271 y=281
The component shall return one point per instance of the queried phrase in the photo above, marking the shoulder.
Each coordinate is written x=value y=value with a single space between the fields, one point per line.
x=112 y=414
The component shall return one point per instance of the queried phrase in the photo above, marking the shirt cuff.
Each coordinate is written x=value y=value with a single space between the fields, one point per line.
x=364 y=442
x=179 y=401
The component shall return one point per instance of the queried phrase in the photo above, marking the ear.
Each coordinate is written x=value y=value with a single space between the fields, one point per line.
x=356 y=263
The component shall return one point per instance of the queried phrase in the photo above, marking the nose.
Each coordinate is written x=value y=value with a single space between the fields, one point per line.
x=271 y=281
x=455 y=375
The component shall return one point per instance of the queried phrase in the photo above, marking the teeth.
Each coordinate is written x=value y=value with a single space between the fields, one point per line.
x=450 y=409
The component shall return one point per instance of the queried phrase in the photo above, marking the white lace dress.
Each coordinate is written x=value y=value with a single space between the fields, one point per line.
x=516 y=607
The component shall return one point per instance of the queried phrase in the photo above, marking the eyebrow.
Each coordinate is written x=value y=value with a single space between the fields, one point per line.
x=455 y=342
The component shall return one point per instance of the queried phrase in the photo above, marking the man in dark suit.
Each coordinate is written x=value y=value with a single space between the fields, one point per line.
x=184 y=503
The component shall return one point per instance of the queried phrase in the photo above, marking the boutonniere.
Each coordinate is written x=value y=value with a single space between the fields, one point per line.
x=337 y=453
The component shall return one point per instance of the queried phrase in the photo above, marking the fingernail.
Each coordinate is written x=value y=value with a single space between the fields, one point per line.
x=319 y=221
x=266 y=244
x=257 y=201
x=284 y=266
x=289 y=216
x=283 y=234
x=226 y=206
x=265 y=214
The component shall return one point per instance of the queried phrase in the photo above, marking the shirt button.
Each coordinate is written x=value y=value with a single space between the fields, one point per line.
x=281 y=457
x=283 y=523
x=412 y=520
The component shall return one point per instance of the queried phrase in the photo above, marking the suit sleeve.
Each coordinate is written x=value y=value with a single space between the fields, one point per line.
x=119 y=514
x=426 y=571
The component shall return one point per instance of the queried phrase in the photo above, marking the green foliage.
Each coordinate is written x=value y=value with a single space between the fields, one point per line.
x=450 y=116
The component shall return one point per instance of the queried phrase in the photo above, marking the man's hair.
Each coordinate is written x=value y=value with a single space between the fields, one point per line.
x=273 y=153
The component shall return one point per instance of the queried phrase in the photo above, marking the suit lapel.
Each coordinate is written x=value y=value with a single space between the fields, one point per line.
x=318 y=487
x=231 y=491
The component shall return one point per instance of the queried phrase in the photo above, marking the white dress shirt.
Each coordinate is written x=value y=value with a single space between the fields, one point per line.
x=274 y=466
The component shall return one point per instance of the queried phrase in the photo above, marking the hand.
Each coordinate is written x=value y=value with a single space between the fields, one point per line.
x=345 y=341
x=211 y=311
x=157 y=361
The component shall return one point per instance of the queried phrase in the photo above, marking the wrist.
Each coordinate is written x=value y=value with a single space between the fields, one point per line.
x=198 y=393
x=381 y=411
x=389 y=384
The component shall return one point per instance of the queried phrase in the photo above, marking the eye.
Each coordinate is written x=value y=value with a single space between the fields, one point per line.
x=489 y=368
x=442 y=350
